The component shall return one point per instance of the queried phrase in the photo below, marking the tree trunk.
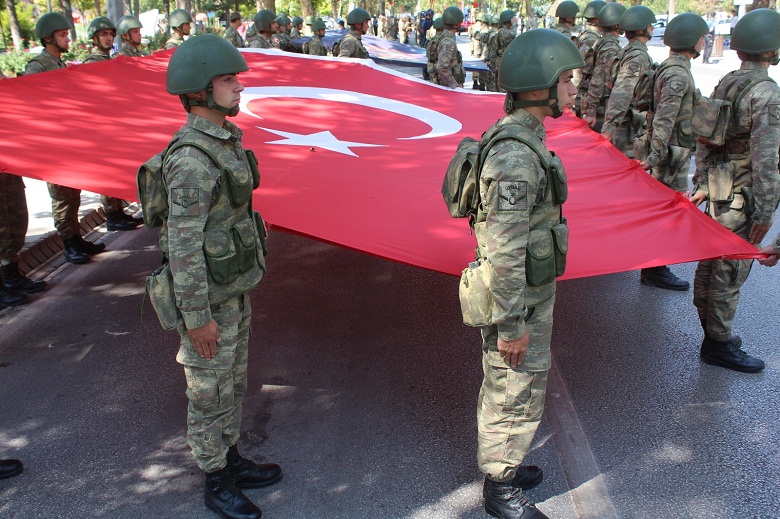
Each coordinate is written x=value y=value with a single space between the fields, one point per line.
x=382 y=7
x=67 y=11
x=13 y=21
x=336 y=6
x=136 y=8
x=266 y=4
x=306 y=8
x=758 y=4
x=97 y=7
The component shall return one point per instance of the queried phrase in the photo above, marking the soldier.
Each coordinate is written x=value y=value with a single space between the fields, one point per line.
x=623 y=116
x=297 y=25
x=53 y=30
x=432 y=50
x=314 y=46
x=308 y=28
x=740 y=183
x=265 y=25
x=488 y=77
x=605 y=52
x=504 y=37
x=567 y=14
x=212 y=290
x=473 y=32
x=281 y=40
x=520 y=216
x=231 y=34
x=586 y=41
x=403 y=29
x=449 y=70
x=351 y=45
x=476 y=40
x=180 y=21
x=129 y=30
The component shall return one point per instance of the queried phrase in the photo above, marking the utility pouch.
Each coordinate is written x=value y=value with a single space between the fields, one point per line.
x=229 y=253
x=159 y=287
x=556 y=175
x=642 y=146
x=539 y=258
x=560 y=234
x=750 y=202
x=720 y=182
x=476 y=301
x=261 y=232
x=253 y=168
x=239 y=183
x=710 y=120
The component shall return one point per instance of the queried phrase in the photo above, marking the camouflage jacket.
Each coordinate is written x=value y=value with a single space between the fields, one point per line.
x=633 y=62
x=96 y=56
x=476 y=41
x=174 y=41
x=43 y=62
x=518 y=212
x=485 y=36
x=232 y=35
x=585 y=42
x=674 y=94
x=449 y=65
x=315 y=46
x=351 y=46
x=260 y=41
x=295 y=34
x=281 y=41
x=605 y=52
x=131 y=51
x=210 y=239
x=565 y=29
x=504 y=38
x=753 y=145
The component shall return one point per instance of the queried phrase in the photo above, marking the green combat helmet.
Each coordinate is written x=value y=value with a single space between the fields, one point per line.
x=264 y=19
x=452 y=16
x=610 y=14
x=684 y=31
x=756 y=32
x=438 y=23
x=179 y=17
x=98 y=24
x=309 y=20
x=282 y=21
x=534 y=61
x=318 y=25
x=195 y=63
x=483 y=17
x=637 y=18
x=506 y=16
x=297 y=20
x=494 y=19
x=126 y=23
x=593 y=9
x=567 y=9
x=49 y=23
x=357 y=16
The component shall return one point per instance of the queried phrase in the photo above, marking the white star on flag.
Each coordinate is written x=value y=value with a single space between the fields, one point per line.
x=324 y=140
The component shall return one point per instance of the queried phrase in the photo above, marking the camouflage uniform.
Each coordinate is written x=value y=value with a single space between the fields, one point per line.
x=282 y=41
x=210 y=283
x=476 y=50
x=752 y=154
x=233 y=36
x=65 y=201
x=432 y=52
x=174 y=41
x=671 y=133
x=351 y=46
x=594 y=101
x=488 y=77
x=621 y=120
x=511 y=400
x=503 y=39
x=96 y=56
x=449 y=62
x=315 y=46
x=260 y=41
x=13 y=217
x=565 y=29
x=586 y=41
x=131 y=51
x=295 y=34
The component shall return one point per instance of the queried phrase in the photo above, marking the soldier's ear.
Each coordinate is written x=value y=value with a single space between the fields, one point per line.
x=200 y=96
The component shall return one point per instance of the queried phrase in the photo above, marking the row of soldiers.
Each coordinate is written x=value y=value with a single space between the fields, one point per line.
x=490 y=37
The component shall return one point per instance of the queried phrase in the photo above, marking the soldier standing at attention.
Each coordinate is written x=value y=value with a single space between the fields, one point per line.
x=432 y=50
x=586 y=41
x=449 y=62
x=622 y=117
x=670 y=129
x=231 y=34
x=476 y=50
x=53 y=30
x=181 y=24
x=504 y=37
x=212 y=287
x=297 y=25
x=488 y=77
x=129 y=30
x=281 y=40
x=567 y=14
x=351 y=45
x=522 y=197
x=265 y=25
x=740 y=183
x=314 y=46
x=605 y=52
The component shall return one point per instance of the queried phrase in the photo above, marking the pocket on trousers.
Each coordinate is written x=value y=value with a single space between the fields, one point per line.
x=516 y=392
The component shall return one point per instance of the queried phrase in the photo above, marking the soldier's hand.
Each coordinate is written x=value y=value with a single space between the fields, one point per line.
x=513 y=351
x=590 y=120
x=771 y=260
x=607 y=136
x=205 y=339
x=757 y=233
x=697 y=198
x=644 y=165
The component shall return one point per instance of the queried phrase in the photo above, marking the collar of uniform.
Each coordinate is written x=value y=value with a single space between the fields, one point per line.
x=229 y=131
x=48 y=55
x=754 y=65
x=522 y=117
x=680 y=57
x=637 y=43
x=355 y=34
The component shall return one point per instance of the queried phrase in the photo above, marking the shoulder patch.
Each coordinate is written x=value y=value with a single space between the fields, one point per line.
x=512 y=195
x=634 y=68
x=677 y=86
x=773 y=111
x=184 y=201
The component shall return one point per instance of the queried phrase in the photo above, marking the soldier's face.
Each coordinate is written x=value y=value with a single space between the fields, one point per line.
x=274 y=26
x=699 y=45
x=135 y=35
x=227 y=90
x=566 y=90
x=364 y=27
x=185 y=28
x=105 y=38
x=62 y=39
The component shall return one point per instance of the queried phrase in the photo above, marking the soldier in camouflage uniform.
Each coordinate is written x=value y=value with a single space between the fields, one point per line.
x=281 y=40
x=449 y=62
x=297 y=25
x=265 y=26
x=504 y=37
x=605 y=52
x=351 y=45
x=740 y=183
x=212 y=281
x=129 y=30
x=586 y=41
x=181 y=24
x=488 y=77
x=622 y=117
x=432 y=49
x=566 y=12
x=231 y=34
x=476 y=49
x=520 y=220
x=314 y=46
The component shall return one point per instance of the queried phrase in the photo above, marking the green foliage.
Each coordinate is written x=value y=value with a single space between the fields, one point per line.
x=13 y=62
x=26 y=23
x=79 y=50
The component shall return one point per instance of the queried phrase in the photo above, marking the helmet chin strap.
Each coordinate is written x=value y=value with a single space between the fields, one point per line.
x=97 y=43
x=189 y=102
x=510 y=104
x=774 y=60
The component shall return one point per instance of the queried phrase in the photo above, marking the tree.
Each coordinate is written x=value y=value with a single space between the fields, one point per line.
x=306 y=8
x=13 y=22
x=758 y=4
x=67 y=11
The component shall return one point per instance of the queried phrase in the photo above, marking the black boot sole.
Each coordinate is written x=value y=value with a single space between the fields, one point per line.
x=264 y=484
x=216 y=511
x=734 y=367
x=12 y=474
x=650 y=283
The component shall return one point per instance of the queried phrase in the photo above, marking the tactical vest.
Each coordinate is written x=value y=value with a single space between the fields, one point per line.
x=682 y=134
x=643 y=92
x=95 y=57
x=48 y=61
x=361 y=51
x=602 y=45
x=260 y=41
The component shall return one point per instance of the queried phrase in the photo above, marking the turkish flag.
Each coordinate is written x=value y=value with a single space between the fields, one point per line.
x=351 y=154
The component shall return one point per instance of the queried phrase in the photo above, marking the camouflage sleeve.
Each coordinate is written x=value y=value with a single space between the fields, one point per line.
x=316 y=47
x=169 y=46
x=347 y=48
x=511 y=180
x=622 y=94
x=190 y=179
x=33 y=67
x=447 y=50
x=704 y=157
x=276 y=42
x=765 y=150
x=600 y=78
x=670 y=89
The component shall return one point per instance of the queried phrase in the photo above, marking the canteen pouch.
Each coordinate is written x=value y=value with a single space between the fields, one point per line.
x=720 y=182
x=560 y=234
x=556 y=175
x=229 y=253
x=239 y=182
x=476 y=301
x=159 y=287
x=710 y=120
x=539 y=258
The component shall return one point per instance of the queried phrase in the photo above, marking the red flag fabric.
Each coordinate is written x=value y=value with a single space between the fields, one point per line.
x=350 y=153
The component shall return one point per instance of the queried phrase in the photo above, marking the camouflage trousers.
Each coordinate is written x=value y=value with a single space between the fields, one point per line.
x=65 y=203
x=488 y=78
x=717 y=283
x=216 y=387
x=511 y=400
x=625 y=134
x=13 y=217
x=673 y=171
x=111 y=204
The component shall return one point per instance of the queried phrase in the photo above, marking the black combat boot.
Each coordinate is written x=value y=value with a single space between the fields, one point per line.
x=527 y=477
x=73 y=252
x=222 y=496
x=15 y=280
x=736 y=339
x=507 y=501
x=662 y=277
x=10 y=468
x=11 y=298
x=728 y=355
x=131 y=218
x=88 y=247
x=117 y=222
x=248 y=474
